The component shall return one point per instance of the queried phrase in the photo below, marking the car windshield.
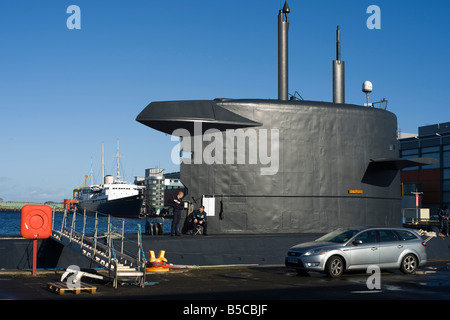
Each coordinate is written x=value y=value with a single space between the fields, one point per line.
x=338 y=236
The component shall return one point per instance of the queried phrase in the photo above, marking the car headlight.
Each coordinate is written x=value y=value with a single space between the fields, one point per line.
x=316 y=252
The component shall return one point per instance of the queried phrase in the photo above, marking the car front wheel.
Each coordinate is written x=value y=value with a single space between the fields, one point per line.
x=409 y=264
x=334 y=267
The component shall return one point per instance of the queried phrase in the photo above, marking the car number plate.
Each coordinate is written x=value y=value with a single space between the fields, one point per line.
x=292 y=260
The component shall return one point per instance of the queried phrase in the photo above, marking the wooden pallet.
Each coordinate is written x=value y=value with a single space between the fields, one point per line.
x=62 y=288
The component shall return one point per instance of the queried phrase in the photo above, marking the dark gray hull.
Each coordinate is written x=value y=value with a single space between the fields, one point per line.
x=17 y=252
x=129 y=207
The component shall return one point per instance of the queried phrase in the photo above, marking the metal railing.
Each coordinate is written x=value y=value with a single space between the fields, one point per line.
x=417 y=215
x=102 y=238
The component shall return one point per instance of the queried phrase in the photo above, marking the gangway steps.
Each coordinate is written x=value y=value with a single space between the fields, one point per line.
x=103 y=255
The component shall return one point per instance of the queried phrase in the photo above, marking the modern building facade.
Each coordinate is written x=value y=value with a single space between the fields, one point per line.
x=432 y=181
x=158 y=188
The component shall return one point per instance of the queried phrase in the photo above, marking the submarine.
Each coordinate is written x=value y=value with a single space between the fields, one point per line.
x=286 y=165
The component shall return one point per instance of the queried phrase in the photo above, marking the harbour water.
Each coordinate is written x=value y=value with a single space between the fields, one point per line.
x=10 y=223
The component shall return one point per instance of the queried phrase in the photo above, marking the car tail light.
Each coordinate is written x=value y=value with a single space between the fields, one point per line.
x=424 y=243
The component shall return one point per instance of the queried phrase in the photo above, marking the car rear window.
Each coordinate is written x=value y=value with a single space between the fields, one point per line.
x=406 y=235
x=367 y=237
x=387 y=236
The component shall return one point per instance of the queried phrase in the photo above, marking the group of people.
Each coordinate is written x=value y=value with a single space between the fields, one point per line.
x=198 y=216
x=444 y=216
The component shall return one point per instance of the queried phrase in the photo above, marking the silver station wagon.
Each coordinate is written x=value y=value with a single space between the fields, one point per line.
x=354 y=249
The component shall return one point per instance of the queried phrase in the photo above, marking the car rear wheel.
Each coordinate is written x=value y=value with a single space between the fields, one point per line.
x=334 y=267
x=409 y=264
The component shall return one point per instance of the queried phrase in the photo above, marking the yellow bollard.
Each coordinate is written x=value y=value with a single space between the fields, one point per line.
x=152 y=255
x=157 y=264
x=161 y=256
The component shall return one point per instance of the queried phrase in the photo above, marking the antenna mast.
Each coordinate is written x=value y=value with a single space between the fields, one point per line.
x=283 y=27
x=338 y=72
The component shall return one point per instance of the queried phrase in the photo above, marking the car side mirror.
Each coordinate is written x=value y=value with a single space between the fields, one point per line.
x=357 y=242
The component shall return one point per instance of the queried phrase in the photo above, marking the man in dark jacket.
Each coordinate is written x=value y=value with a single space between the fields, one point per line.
x=177 y=205
x=199 y=218
x=444 y=216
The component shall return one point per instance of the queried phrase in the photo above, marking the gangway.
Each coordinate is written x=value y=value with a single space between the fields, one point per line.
x=108 y=255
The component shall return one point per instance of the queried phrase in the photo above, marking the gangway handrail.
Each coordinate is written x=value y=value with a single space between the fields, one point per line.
x=106 y=254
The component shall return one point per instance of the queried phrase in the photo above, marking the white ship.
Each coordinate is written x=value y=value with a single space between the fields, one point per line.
x=114 y=197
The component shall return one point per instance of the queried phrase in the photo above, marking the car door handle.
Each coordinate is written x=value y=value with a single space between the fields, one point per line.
x=399 y=246
x=374 y=248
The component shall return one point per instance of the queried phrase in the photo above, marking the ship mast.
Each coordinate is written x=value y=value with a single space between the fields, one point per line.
x=88 y=177
x=103 y=163
x=118 y=156
x=91 y=176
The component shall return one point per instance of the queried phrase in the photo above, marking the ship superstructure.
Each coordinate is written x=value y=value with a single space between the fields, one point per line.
x=114 y=197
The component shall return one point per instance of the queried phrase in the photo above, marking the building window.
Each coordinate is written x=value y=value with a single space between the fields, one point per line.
x=446 y=185
x=430 y=149
x=411 y=152
x=446 y=159
x=410 y=187
x=446 y=174
x=446 y=197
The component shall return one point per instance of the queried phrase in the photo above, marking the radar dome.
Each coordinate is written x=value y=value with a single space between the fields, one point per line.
x=367 y=87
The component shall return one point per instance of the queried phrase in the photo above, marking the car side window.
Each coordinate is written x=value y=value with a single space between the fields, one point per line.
x=387 y=236
x=406 y=235
x=367 y=237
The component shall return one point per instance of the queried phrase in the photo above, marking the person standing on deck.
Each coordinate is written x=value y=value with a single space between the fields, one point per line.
x=177 y=205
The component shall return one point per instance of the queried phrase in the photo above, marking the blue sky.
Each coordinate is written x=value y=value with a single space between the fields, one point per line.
x=64 y=92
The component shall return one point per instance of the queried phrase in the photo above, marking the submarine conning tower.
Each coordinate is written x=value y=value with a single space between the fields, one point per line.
x=286 y=166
